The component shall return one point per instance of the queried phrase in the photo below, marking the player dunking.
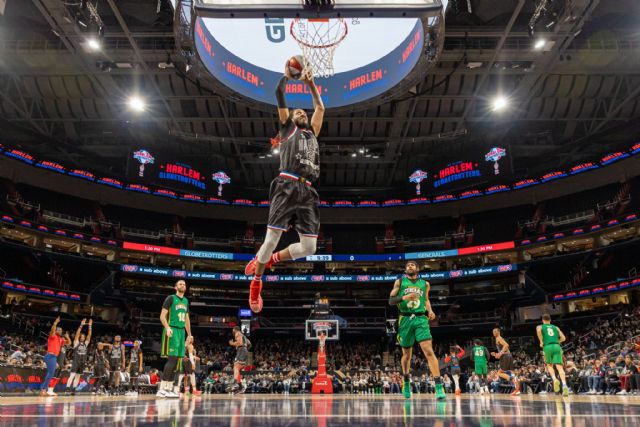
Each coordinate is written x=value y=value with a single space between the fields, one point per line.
x=480 y=356
x=291 y=193
x=506 y=361
x=242 y=344
x=411 y=294
x=175 y=320
x=550 y=337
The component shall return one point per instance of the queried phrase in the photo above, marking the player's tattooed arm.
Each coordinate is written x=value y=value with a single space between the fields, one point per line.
x=318 y=105
x=393 y=297
x=539 y=333
x=427 y=304
x=283 y=111
x=561 y=336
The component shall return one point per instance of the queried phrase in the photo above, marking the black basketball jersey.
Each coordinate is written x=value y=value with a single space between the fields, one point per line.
x=299 y=152
x=135 y=356
x=80 y=352
x=116 y=351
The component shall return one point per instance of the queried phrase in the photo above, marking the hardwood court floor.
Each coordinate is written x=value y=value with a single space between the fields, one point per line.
x=321 y=411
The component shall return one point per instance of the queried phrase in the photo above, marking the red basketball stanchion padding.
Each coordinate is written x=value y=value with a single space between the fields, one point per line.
x=322 y=383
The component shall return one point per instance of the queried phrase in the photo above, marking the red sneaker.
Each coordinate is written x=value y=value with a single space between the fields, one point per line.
x=250 y=269
x=196 y=392
x=255 y=300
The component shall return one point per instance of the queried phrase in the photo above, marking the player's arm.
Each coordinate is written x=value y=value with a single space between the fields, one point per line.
x=187 y=326
x=561 y=336
x=76 y=338
x=88 y=338
x=539 y=333
x=54 y=326
x=164 y=315
x=318 y=105
x=124 y=357
x=393 y=296
x=504 y=345
x=235 y=342
x=427 y=303
x=141 y=366
x=283 y=111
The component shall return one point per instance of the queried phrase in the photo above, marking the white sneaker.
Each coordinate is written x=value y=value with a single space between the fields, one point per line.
x=51 y=393
x=622 y=392
x=161 y=393
x=172 y=395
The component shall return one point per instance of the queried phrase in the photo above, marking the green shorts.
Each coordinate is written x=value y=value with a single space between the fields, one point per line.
x=552 y=354
x=174 y=345
x=412 y=329
x=481 y=369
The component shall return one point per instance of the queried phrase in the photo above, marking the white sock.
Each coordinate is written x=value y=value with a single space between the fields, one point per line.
x=455 y=380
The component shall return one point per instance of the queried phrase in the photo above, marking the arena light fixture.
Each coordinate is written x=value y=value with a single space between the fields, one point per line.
x=94 y=44
x=499 y=103
x=137 y=103
x=354 y=154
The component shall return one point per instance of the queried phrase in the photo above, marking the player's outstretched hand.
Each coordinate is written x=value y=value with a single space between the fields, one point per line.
x=307 y=76
x=432 y=315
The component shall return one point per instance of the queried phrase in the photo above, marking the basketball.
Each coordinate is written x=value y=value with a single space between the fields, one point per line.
x=295 y=66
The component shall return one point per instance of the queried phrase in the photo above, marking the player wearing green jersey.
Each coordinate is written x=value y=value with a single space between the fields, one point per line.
x=480 y=356
x=411 y=295
x=175 y=320
x=550 y=337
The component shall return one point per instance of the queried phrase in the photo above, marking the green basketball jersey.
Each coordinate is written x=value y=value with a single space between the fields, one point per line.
x=550 y=334
x=480 y=354
x=178 y=312
x=408 y=287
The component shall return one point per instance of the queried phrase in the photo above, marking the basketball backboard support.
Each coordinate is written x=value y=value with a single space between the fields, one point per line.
x=314 y=327
x=241 y=47
x=316 y=9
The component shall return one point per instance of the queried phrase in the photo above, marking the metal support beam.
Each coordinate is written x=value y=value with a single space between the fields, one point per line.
x=495 y=57
x=143 y=64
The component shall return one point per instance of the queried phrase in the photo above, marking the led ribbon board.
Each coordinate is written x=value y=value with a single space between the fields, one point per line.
x=231 y=277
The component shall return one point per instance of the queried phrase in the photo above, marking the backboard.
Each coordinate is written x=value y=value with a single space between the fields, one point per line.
x=314 y=327
x=388 y=47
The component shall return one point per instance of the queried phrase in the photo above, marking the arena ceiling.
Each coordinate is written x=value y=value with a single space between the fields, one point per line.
x=575 y=99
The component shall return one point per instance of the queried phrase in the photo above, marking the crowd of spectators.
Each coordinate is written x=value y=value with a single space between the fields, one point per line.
x=604 y=360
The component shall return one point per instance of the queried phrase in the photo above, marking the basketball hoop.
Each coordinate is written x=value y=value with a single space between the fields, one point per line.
x=318 y=39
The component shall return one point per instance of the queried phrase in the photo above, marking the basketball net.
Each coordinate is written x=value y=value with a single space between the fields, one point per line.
x=321 y=339
x=318 y=40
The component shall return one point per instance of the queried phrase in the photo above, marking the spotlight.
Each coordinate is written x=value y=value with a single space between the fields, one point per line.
x=361 y=150
x=353 y=154
x=499 y=103
x=540 y=44
x=137 y=104
x=93 y=43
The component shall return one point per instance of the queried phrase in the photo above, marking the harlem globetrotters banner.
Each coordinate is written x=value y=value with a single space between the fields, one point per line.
x=147 y=167
x=473 y=167
x=19 y=380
